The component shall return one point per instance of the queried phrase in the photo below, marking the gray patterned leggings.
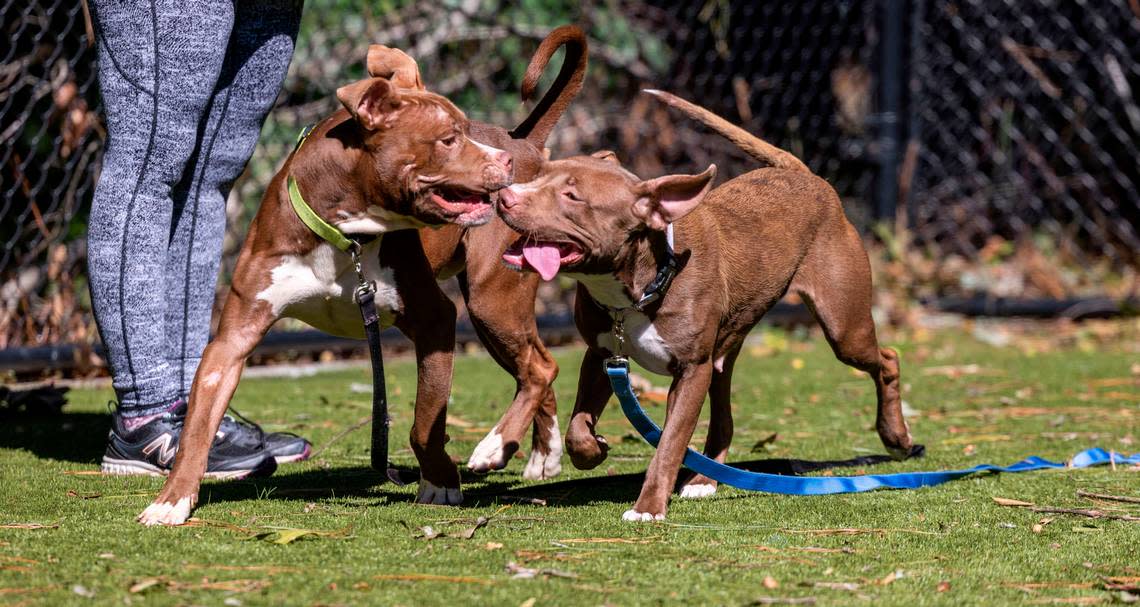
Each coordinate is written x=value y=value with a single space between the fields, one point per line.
x=186 y=85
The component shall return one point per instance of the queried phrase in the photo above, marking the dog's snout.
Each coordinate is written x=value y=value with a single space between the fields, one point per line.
x=508 y=198
x=502 y=158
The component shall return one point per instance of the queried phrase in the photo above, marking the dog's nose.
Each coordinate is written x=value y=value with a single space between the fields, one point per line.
x=508 y=198
x=503 y=158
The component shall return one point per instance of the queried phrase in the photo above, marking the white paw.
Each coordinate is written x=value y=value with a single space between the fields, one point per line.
x=543 y=465
x=633 y=515
x=488 y=454
x=165 y=513
x=549 y=464
x=698 y=490
x=430 y=494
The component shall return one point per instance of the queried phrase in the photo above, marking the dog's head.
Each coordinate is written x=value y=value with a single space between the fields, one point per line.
x=580 y=213
x=417 y=152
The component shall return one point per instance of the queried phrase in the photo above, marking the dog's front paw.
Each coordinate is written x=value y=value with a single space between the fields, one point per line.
x=444 y=496
x=587 y=452
x=491 y=453
x=166 y=513
x=640 y=517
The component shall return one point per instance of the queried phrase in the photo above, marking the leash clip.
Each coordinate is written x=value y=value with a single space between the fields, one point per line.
x=363 y=286
x=618 y=317
x=617 y=361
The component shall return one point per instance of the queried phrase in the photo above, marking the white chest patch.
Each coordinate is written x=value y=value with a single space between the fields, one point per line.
x=643 y=343
x=375 y=220
x=317 y=289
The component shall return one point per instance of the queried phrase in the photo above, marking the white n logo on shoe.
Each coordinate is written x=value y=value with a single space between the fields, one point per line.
x=165 y=447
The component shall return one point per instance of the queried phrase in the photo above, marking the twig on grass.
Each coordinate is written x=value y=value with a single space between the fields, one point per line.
x=1090 y=513
x=857 y=531
x=427 y=577
x=358 y=425
x=1111 y=498
x=778 y=600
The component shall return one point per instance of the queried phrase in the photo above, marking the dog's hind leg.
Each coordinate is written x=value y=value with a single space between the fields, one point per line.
x=720 y=425
x=834 y=280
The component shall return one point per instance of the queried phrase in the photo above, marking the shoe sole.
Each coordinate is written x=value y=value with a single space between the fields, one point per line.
x=129 y=467
x=300 y=457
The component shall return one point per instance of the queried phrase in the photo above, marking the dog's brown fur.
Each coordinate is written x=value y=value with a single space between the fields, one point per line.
x=384 y=159
x=743 y=246
x=500 y=302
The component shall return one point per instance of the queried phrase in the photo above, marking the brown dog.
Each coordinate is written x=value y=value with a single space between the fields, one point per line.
x=391 y=159
x=501 y=302
x=740 y=248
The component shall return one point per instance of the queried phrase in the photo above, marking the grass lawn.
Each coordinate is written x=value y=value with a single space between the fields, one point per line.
x=952 y=544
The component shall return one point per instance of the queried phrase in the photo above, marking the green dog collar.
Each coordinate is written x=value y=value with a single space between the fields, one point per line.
x=319 y=226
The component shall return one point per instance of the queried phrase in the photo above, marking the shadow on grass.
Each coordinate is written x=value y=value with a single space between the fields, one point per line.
x=362 y=482
x=69 y=437
x=81 y=438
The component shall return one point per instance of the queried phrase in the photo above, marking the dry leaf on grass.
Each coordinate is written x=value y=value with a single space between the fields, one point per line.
x=1004 y=501
x=288 y=535
x=145 y=583
x=519 y=572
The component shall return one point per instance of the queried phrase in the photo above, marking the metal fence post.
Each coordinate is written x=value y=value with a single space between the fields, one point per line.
x=891 y=79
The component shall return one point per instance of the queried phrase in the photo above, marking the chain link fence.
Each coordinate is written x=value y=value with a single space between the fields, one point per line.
x=963 y=135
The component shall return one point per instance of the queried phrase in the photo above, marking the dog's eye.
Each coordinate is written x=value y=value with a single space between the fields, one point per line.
x=572 y=196
x=449 y=140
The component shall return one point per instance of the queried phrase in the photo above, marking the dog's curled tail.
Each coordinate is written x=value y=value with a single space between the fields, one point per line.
x=538 y=125
x=754 y=146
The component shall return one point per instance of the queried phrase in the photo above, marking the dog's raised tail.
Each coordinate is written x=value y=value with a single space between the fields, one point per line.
x=754 y=146
x=538 y=125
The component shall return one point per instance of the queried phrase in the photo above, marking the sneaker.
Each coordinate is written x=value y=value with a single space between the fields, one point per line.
x=150 y=448
x=285 y=447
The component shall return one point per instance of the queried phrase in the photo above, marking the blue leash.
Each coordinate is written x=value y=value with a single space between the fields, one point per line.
x=617 y=368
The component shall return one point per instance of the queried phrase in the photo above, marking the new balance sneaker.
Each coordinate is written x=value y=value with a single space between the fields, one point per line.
x=150 y=448
x=286 y=447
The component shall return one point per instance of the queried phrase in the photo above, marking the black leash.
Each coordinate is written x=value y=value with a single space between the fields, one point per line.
x=365 y=296
x=367 y=303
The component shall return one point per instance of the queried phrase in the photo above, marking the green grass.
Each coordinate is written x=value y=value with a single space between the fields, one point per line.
x=715 y=551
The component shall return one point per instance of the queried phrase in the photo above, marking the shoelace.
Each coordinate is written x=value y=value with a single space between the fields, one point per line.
x=261 y=432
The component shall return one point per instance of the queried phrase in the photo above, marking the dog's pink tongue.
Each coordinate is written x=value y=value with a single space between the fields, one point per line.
x=544 y=258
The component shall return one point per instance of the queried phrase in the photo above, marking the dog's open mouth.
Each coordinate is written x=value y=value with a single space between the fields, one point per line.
x=543 y=257
x=463 y=206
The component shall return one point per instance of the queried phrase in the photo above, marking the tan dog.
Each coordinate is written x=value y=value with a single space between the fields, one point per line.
x=740 y=248
x=390 y=160
x=501 y=302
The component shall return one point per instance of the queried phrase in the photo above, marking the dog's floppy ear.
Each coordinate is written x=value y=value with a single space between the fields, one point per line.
x=664 y=200
x=607 y=155
x=374 y=102
x=395 y=65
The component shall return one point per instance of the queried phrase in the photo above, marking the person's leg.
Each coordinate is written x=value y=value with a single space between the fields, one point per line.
x=159 y=64
x=257 y=59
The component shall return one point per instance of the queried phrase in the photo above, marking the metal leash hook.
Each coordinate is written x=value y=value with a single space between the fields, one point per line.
x=618 y=360
x=363 y=285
